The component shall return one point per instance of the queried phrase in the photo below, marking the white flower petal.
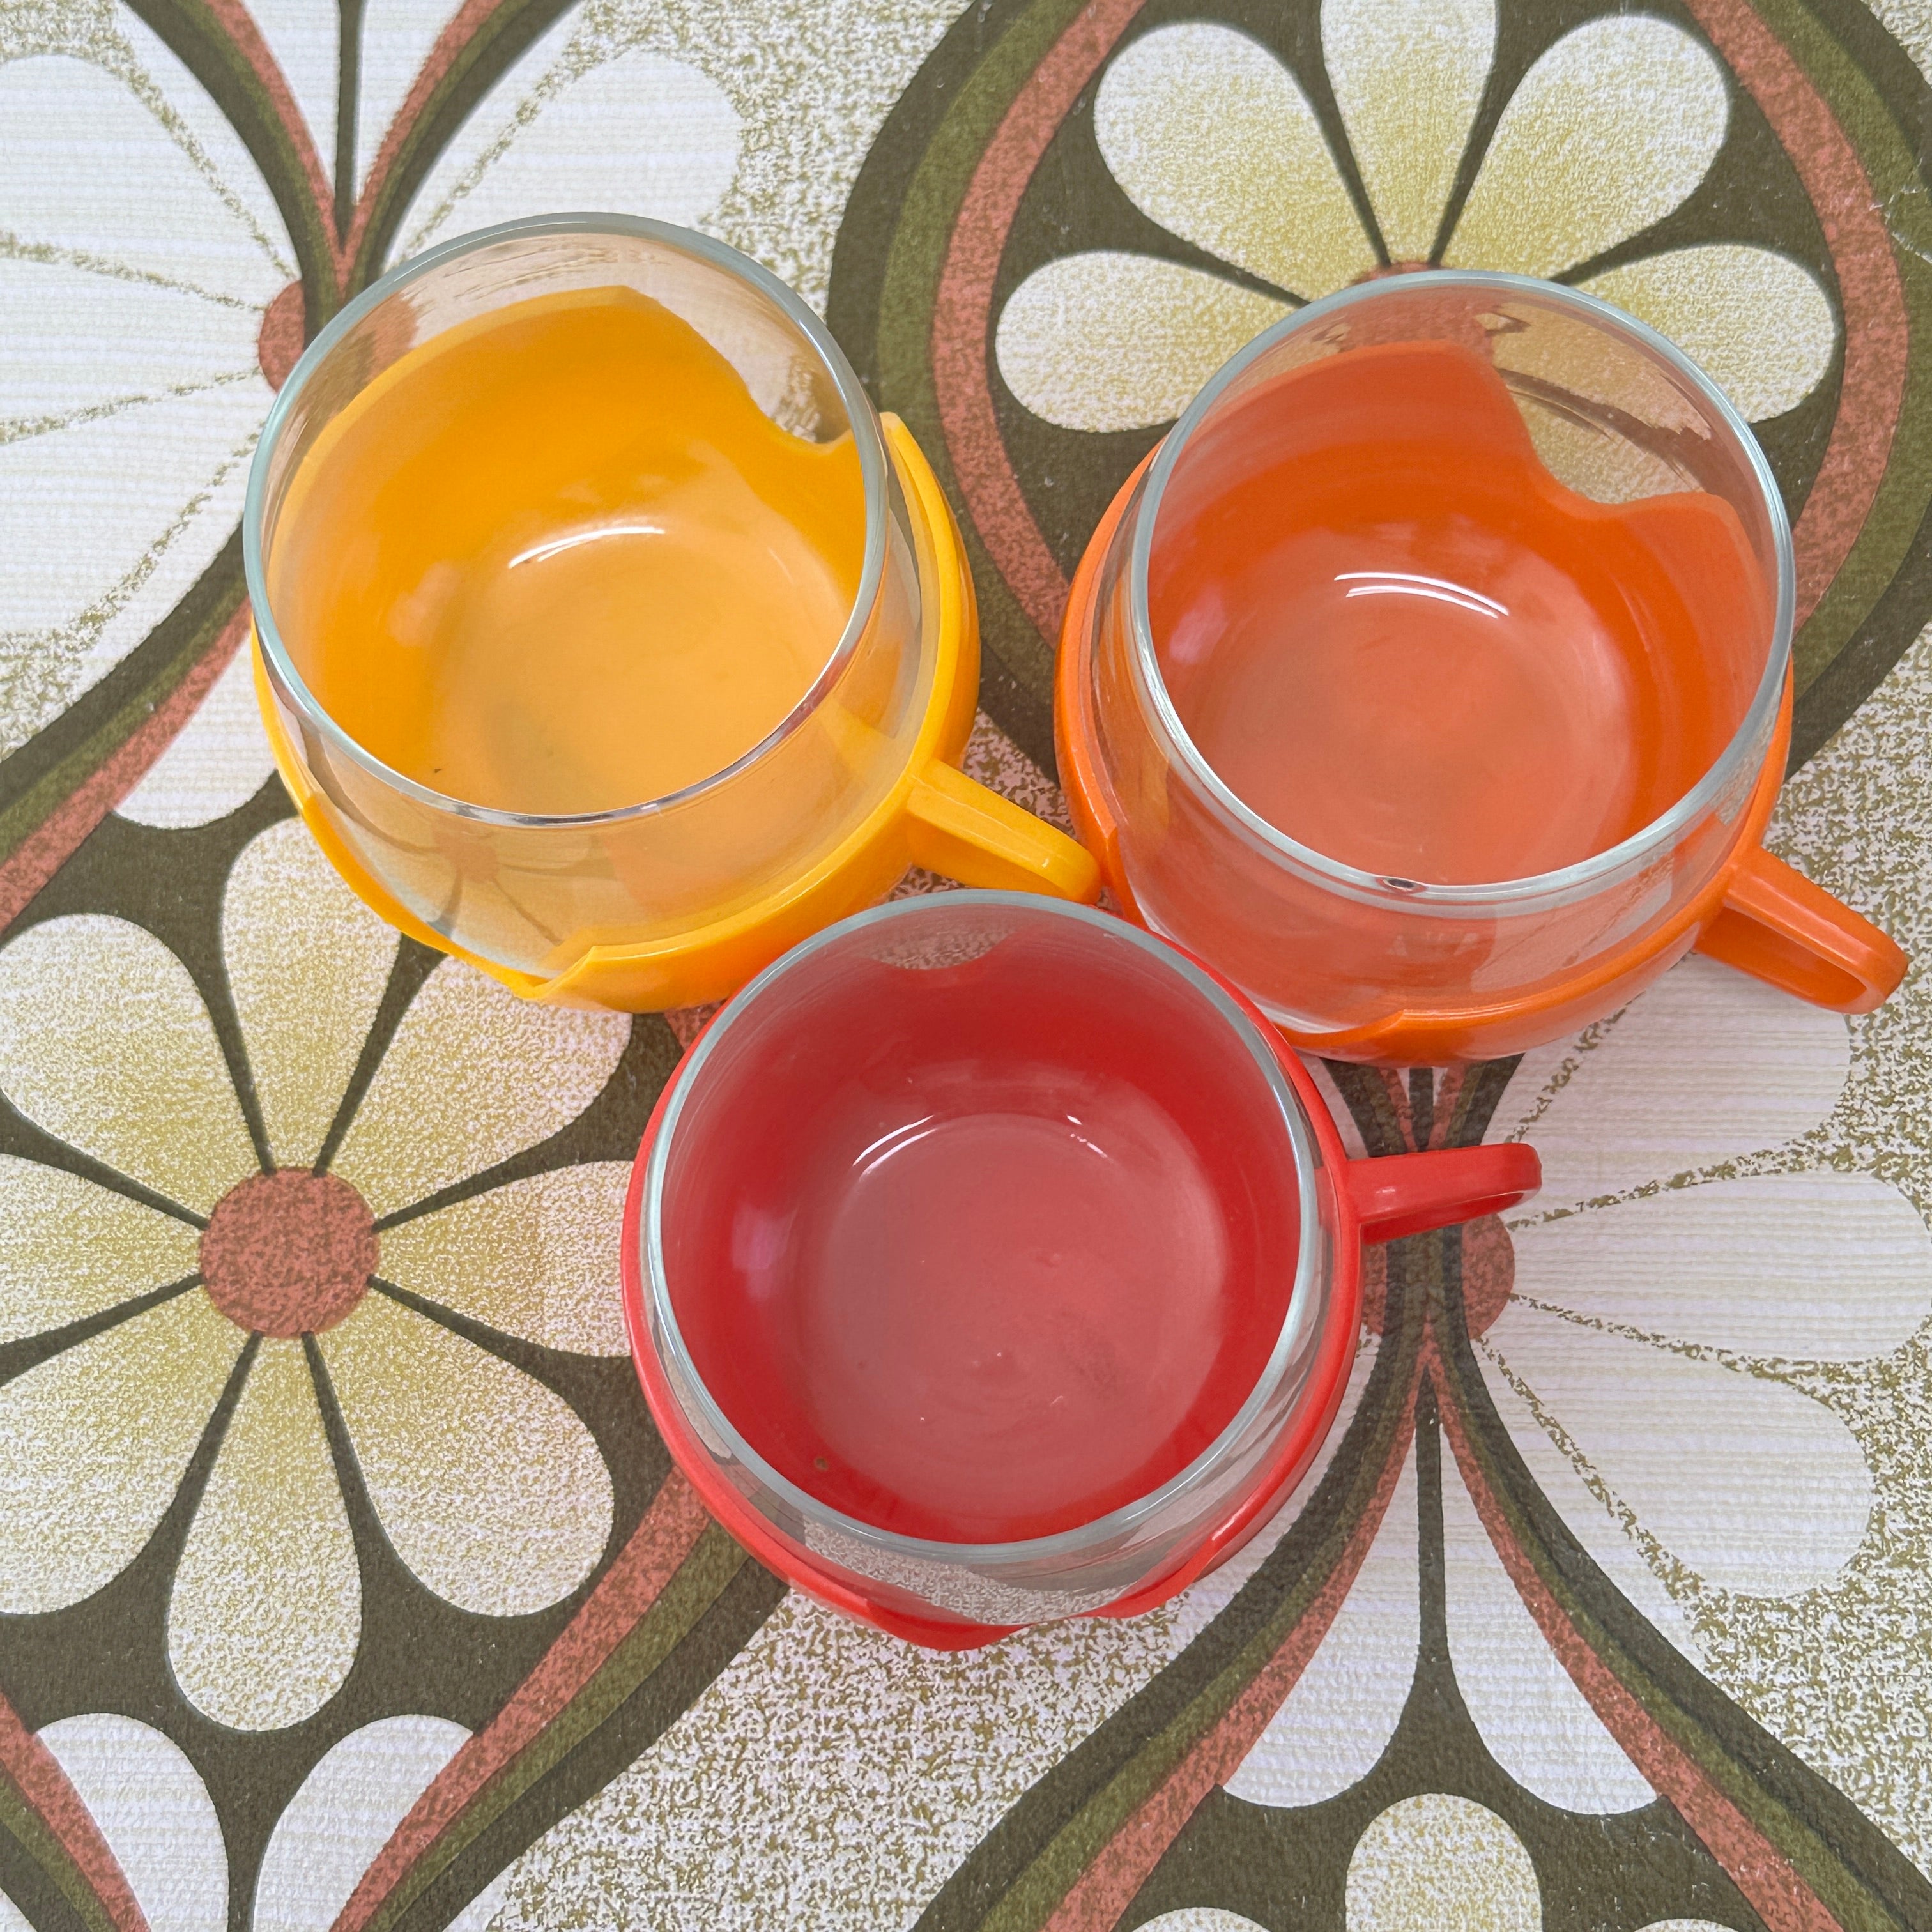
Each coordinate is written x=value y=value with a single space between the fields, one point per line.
x=1408 y=76
x=1208 y=134
x=1447 y=1864
x=1705 y=1066
x=1825 y=1267
x=473 y=1075
x=1536 y=1722
x=1201 y=1918
x=1612 y=128
x=1336 y=1722
x=1755 y=1487
x=182 y=202
x=570 y=127
x=80 y=343
x=1108 y=341
x=69 y=1249
x=538 y=1258
x=265 y=1612
x=306 y=41
x=93 y=1445
x=155 y=1813
x=491 y=1489
x=1589 y=1519
x=1756 y=322
x=146 y=496
x=181 y=222
x=308 y=964
x=104 y=1043
x=218 y=762
x=358 y=1792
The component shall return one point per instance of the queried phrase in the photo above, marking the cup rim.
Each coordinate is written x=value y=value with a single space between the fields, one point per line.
x=1460 y=900
x=867 y=437
x=662 y=1317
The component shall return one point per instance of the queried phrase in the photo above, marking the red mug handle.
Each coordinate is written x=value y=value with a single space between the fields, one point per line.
x=1409 y=1193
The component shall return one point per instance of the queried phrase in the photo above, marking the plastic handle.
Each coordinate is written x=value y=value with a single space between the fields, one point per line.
x=956 y=826
x=1409 y=1193
x=1778 y=927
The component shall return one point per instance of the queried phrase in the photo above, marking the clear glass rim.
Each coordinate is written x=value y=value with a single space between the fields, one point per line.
x=1588 y=873
x=1087 y=1536
x=873 y=468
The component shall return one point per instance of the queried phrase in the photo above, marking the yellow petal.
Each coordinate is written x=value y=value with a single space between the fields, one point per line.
x=1758 y=324
x=1409 y=77
x=1108 y=341
x=1610 y=130
x=473 y=1075
x=538 y=1258
x=308 y=962
x=1208 y=134
x=1576 y=364
x=489 y=1488
x=93 y=1444
x=105 y=1043
x=1445 y=1863
x=1606 y=468
x=69 y=1249
x=266 y=1609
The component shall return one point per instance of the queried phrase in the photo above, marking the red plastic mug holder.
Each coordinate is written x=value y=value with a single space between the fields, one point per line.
x=1369 y=1200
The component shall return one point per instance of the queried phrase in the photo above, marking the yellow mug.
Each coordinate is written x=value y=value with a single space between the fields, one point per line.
x=680 y=899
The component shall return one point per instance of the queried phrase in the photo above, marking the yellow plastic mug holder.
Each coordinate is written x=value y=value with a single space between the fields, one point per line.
x=933 y=816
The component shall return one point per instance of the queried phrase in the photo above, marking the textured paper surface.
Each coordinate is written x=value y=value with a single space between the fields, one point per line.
x=329 y=1598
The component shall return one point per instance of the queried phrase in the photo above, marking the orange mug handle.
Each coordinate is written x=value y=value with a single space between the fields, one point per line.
x=1778 y=927
x=1410 y=1193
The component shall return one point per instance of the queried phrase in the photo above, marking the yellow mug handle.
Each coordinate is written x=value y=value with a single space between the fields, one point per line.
x=954 y=824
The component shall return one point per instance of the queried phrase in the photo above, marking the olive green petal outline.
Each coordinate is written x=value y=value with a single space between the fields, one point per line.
x=892 y=339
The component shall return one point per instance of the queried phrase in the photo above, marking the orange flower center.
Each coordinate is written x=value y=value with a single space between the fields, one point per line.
x=1489 y=1277
x=280 y=342
x=289 y=1253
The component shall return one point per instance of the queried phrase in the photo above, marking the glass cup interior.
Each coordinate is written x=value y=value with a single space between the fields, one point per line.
x=980 y=1231
x=1456 y=597
x=1458 y=550
x=530 y=876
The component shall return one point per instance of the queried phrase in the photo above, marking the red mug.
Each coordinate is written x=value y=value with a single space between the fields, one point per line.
x=989 y=1261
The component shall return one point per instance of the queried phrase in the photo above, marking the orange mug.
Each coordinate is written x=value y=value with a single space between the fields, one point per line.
x=1559 y=407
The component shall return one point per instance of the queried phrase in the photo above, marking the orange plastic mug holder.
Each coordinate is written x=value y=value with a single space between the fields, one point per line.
x=1758 y=914
x=933 y=816
x=1371 y=1200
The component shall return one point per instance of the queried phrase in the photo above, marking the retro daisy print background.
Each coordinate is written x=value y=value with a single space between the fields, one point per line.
x=343 y=1581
